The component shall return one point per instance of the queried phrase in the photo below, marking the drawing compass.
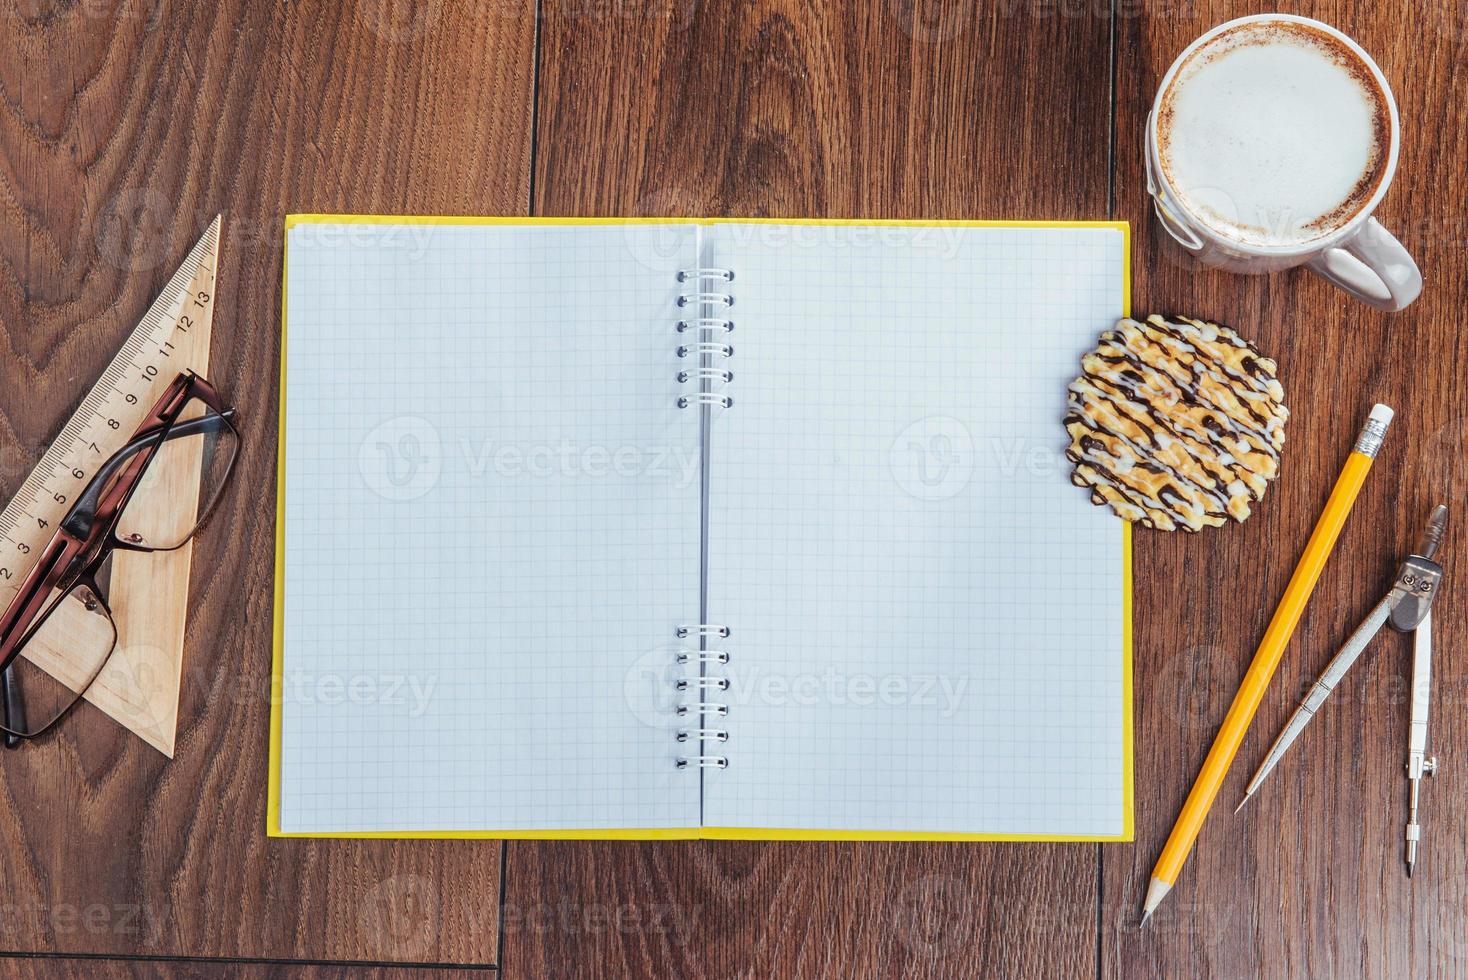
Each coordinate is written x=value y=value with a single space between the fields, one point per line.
x=1407 y=608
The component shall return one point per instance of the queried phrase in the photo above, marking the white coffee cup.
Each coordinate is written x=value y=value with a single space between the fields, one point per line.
x=1353 y=251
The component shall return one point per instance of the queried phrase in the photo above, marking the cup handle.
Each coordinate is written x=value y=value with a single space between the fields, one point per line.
x=1373 y=267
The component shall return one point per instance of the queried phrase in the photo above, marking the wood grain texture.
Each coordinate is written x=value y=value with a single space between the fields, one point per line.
x=125 y=127
x=49 y=968
x=755 y=909
x=804 y=108
x=886 y=109
x=1309 y=880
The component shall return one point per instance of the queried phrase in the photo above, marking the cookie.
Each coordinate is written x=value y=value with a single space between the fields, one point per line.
x=1175 y=424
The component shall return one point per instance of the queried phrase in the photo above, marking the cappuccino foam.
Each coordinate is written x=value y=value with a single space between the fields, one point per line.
x=1274 y=133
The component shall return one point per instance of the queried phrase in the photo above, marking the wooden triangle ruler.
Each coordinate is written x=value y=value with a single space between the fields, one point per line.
x=148 y=593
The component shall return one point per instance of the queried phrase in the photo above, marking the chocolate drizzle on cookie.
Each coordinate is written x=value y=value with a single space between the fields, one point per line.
x=1175 y=423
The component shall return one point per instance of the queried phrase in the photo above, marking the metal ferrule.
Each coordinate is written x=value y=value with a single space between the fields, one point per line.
x=1368 y=443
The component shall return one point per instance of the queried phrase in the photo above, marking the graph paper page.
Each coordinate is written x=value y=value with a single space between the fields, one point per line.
x=926 y=617
x=491 y=528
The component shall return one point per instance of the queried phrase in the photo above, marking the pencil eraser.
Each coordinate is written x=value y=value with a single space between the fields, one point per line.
x=1382 y=413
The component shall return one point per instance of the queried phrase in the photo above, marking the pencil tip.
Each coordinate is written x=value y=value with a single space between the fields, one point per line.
x=1242 y=802
x=1157 y=890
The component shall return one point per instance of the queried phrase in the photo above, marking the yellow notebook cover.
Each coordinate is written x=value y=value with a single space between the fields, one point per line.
x=273 y=809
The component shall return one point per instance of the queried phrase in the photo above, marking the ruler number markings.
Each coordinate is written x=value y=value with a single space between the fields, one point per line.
x=109 y=413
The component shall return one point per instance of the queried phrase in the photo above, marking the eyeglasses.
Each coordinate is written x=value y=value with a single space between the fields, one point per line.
x=133 y=503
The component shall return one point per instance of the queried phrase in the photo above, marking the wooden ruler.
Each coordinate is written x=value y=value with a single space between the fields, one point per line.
x=148 y=593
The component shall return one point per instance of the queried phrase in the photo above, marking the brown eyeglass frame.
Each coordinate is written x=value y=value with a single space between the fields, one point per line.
x=87 y=536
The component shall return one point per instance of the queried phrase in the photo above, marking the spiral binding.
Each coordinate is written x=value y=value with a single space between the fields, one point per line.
x=713 y=709
x=721 y=275
x=705 y=299
x=702 y=629
x=703 y=656
x=703 y=684
x=706 y=346
x=703 y=330
x=705 y=398
x=706 y=323
x=713 y=374
x=704 y=734
x=700 y=687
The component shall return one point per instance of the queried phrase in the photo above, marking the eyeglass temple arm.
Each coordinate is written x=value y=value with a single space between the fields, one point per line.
x=86 y=507
x=14 y=709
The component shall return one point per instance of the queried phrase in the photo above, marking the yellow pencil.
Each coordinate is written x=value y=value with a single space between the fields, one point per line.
x=1271 y=648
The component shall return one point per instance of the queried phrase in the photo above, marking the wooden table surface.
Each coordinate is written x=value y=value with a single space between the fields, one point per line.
x=125 y=125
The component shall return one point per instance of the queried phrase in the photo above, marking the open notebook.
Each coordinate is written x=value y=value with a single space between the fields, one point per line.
x=695 y=528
